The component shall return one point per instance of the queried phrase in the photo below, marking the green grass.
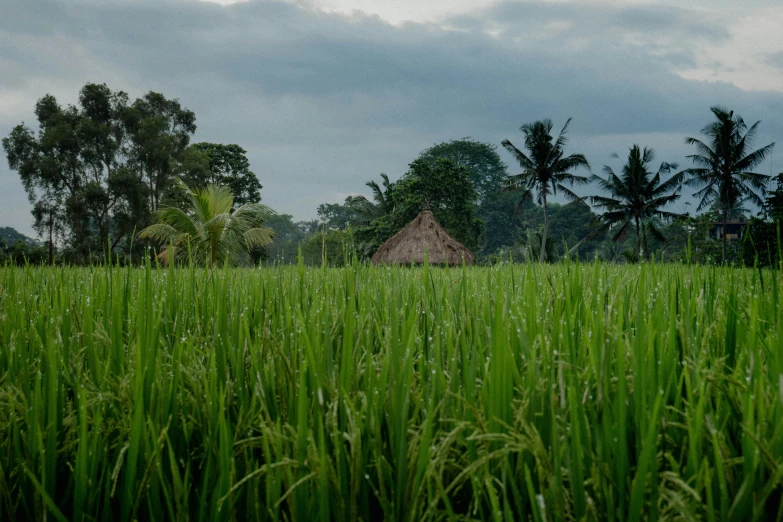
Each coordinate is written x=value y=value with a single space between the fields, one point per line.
x=520 y=392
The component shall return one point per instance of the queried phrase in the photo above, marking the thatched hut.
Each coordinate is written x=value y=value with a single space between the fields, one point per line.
x=424 y=232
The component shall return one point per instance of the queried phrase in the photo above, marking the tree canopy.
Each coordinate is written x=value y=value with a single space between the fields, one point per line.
x=486 y=171
x=443 y=186
x=96 y=171
x=227 y=165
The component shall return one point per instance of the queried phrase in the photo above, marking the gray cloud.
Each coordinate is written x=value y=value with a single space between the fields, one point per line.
x=324 y=102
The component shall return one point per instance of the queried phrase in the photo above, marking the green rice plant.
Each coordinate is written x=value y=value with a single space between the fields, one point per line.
x=513 y=392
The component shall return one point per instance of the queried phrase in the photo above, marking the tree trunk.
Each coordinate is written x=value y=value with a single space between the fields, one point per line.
x=323 y=244
x=51 y=243
x=117 y=239
x=646 y=246
x=542 y=254
x=638 y=238
x=723 y=232
x=107 y=206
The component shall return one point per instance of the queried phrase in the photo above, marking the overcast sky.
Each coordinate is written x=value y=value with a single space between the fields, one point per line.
x=326 y=94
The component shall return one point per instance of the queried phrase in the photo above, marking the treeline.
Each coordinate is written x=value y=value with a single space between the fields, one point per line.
x=97 y=172
x=511 y=217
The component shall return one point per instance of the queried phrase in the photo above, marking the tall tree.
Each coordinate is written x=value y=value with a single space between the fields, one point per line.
x=51 y=166
x=724 y=163
x=485 y=169
x=113 y=195
x=546 y=169
x=92 y=170
x=208 y=228
x=636 y=198
x=228 y=165
x=160 y=131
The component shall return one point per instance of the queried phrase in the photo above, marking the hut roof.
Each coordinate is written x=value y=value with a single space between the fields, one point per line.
x=408 y=245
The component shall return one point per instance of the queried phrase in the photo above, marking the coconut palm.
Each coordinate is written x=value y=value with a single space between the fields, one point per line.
x=546 y=169
x=636 y=198
x=723 y=165
x=382 y=194
x=207 y=229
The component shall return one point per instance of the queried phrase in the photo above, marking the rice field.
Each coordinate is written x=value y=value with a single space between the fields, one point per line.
x=516 y=392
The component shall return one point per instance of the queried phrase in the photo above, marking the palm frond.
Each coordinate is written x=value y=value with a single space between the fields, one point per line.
x=622 y=231
x=604 y=202
x=161 y=232
x=561 y=138
x=653 y=230
x=571 y=196
x=258 y=237
x=574 y=161
x=521 y=202
x=755 y=158
x=673 y=183
x=520 y=156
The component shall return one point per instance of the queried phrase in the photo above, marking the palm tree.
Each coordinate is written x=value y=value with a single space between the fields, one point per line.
x=636 y=198
x=208 y=229
x=545 y=168
x=382 y=196
x=724 y=164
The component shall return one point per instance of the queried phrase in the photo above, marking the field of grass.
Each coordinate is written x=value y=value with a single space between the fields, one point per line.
x=522 y=392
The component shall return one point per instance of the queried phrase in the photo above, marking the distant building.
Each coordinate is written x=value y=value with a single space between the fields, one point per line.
x=734 y=230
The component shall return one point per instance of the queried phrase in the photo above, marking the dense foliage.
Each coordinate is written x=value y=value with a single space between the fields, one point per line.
x=440 y=185
x=531 y=392
x=227 y=165
x=95 y=172
x=486 y=171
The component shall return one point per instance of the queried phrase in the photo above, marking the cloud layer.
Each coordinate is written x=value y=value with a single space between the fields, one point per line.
x=324 y=101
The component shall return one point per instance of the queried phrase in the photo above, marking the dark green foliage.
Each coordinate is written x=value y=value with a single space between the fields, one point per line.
x=226 y=165
x=636 y=199
x=569 y=226
x=724 y=163
x=331 y=246
x=160 y=131
x=445 y=188
x=95 y=171
x=381 y=195
x=287 y=237
x=774 y=203
x=356 y=211
x=21 y=250
x=488 y=174
x=486 y=170
x=504 y=222
x=760 y=244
